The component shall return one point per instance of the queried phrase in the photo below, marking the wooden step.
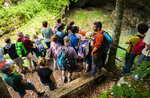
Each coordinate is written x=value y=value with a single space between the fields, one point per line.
x=74 y=85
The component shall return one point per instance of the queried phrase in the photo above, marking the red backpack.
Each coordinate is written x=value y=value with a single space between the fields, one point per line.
x=139 y=47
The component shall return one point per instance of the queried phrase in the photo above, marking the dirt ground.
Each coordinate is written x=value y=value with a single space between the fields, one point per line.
x=94 y=90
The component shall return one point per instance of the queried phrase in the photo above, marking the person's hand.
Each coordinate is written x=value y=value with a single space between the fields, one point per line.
x=148 y=47
x=92 y=53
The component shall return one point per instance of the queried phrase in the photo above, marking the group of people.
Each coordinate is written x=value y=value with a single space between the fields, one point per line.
x=66 y=44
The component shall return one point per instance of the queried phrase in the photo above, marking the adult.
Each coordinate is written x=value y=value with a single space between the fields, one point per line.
x=60 y=33
x=96 y=52
x=57 y=24
x=69 y=27
x=145 y=56
x=28 y=44
x=73 y=38
x=46 y=33
x=133 y=41
x=11 y=51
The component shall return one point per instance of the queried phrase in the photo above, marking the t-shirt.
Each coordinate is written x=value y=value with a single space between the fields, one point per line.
x=61 y=36
x=71 y=54
x=47 y=34
x=26 y=42
x=44 y=74
x=145 y=51
x=15 y=82
x=2 y=59
x=53 y=46
x=73 y=40
x=38 y=43
x=11 y=50
x=134 y=40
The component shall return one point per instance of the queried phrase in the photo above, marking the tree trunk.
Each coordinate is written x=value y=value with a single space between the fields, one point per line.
x=116 y=35
x=3 y=90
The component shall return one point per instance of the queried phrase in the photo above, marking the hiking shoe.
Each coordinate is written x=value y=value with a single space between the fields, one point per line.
x=63 y=79
x=39 y=94
x=69 y=80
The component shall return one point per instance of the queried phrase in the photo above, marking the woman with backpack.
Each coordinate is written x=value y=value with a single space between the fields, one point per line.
x=54 y=47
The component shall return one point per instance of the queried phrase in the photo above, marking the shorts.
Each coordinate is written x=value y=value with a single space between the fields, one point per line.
x=51 y=85
x=28 y=86
x=67 y=68
x=18 y=61
x=87 y=59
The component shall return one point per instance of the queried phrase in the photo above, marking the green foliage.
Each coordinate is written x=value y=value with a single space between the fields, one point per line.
x=13 y=17
x=54 y=5
x=144 y=71
x=138 y=88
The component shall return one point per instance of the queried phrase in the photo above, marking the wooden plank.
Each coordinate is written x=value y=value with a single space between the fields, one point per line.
x=75 y=84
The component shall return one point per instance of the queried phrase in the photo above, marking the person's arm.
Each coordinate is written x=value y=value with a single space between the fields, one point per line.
x=94 y=50
x=127 y=42
x=148 y=47
x=76 y=44
x=53 y=79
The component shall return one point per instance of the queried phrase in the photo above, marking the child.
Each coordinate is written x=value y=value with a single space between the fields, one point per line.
x=54 y=47
x=71 y=55
x=46 y=74
x=40 y=47
x=133 y=41
x=18 y=82
x=87 y=59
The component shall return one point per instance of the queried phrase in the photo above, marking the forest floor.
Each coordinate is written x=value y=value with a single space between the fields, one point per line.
x=91 y=91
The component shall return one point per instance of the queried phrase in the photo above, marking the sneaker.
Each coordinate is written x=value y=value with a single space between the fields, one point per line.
x=63 y=79
x=39 y=94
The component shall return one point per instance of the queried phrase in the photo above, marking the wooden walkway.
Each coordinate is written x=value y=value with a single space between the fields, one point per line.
x=74 y=85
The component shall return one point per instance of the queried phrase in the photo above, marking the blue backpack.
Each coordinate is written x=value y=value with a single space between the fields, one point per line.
x=106 y=44
x=62 y=59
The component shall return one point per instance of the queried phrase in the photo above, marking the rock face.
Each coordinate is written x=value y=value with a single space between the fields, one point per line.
x=140 y=4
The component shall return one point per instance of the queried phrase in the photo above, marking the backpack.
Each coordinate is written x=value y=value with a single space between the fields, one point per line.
x=54 y=55
x=140 y=46
x=106 y=44
x=61 y=57
x=83 y=48
x=21 y=51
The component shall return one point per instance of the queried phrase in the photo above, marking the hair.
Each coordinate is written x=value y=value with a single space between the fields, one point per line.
x=66 y=39
x=61 y=26
x=7 y=40
x=142 y=28
x=45 y=23
x=35 y=36
x=98 y=24
x=58 y=20
x=42 y=61
x=71 y=23
x=26 y=36
x=5 y=69
x=74 y=29
x=19 y=33
x=55 y=38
